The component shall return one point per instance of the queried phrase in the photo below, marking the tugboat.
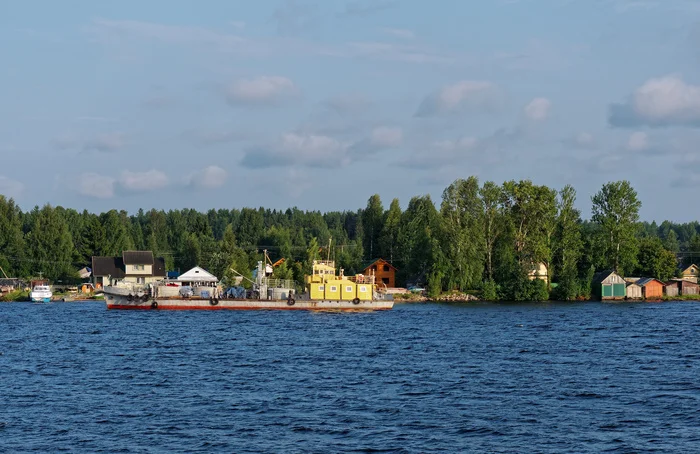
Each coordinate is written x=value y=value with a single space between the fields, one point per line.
x=324 y=291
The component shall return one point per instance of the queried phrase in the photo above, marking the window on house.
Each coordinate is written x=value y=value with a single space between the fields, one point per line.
x=386 y=267
x=140 y=280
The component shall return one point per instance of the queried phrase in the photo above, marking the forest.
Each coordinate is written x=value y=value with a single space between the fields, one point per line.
x=480 y=238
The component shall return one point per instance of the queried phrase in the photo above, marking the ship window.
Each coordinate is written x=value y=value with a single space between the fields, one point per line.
x=348 y=289
x=334 y=288
x=363 y=289
x=320 y=288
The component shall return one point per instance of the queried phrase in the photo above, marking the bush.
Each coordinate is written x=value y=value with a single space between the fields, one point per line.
x=489 y=291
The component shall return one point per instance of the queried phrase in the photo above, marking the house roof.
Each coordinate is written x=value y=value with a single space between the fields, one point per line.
x=647 y=280
x=114 y=267
x=682 y=283
x=691 y=266
x=108 y=266
x=375 y=261
x=11 y=281
x=601 y=276
x=197 y=274
x=138 y=257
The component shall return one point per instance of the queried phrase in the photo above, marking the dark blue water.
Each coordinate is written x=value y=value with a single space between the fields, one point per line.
x=498 y=378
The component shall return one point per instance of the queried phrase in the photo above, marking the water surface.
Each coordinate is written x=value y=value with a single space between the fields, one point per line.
x=421 y=378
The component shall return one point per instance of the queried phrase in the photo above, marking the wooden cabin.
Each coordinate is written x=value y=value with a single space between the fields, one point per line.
x=677 y=287
x=608 y=285
x=691 y=273
x=651 y=288
x=384 y=272
x=634 y=291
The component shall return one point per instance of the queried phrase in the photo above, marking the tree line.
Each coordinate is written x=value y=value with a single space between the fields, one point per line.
x=484 y=238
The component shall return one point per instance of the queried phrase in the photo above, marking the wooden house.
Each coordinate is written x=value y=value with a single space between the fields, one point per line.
x=539 y=271
x=677 y=287
x=139 y=267
x=691 y=273
x=384 y=272
x=651 y=288
x=608 y=285
x=634 y=291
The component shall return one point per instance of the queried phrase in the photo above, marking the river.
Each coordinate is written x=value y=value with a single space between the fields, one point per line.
x=579 y=377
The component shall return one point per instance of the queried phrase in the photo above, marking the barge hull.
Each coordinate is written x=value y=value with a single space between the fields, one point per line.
x=176 y=304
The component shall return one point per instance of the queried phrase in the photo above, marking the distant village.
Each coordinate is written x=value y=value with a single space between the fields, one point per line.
x=142 y=267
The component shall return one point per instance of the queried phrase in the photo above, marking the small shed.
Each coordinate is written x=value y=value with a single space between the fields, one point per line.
x=384 y=272
x=677 y=287
x=651 y=288
x=538 y=271
x=634 y=291
x=608 y=285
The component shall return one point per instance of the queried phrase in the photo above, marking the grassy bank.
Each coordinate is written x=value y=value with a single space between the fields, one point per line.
x=17 y=295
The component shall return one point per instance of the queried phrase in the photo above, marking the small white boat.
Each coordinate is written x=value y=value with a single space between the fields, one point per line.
x=41 y=294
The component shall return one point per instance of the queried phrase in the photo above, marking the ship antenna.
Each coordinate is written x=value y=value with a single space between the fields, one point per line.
x=329 y=248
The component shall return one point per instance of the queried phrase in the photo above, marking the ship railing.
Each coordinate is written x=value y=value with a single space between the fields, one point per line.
x=361 y=279
x=278 y=283
x=330 y=263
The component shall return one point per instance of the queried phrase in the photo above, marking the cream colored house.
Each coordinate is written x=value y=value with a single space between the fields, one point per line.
x=139 y=267
x=691 y=273
x=539 y=271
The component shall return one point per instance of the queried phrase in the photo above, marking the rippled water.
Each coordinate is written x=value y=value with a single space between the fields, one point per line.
x=499 y=378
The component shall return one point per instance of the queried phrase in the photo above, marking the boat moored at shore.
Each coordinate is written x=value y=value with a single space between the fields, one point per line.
x=41 y=294
x=324 y=291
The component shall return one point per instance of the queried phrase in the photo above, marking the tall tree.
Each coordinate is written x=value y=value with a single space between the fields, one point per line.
x=12 y=246
x=568 y=244
x=51 y=246
x=372 y=224
x=390 y=231
x=656 y=261
x=463 y=219
x=492 y=197
x=616 y=211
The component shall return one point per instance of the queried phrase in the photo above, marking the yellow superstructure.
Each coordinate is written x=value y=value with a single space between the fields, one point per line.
x=324 y=284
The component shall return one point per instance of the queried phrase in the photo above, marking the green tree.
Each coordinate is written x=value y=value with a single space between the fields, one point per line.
x=656 y=261
x=462 y=214
x=568 y=244
x=12 y=245
x=390 y=231
x=372 y=225
x=51 y=246
x=492 y=197
x=616 y=212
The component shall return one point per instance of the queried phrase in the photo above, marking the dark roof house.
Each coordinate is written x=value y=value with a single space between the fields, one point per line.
x=137 y=257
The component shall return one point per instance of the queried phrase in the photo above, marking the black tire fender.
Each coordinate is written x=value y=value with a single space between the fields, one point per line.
x=154 y=304
x=213 y=301
x=290 y=301
x=356 y=301
x=130 y=297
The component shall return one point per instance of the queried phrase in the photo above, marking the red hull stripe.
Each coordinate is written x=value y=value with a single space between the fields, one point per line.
x=241 y=308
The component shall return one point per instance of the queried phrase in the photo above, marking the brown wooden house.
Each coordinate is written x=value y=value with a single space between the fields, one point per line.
x=691 y=273
x=384 y=272
x=651 y=288
x=677 y=287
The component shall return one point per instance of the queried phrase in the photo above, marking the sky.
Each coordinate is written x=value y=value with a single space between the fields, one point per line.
x=227 y=104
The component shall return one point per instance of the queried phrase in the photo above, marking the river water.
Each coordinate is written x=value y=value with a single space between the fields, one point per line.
x=421 y=378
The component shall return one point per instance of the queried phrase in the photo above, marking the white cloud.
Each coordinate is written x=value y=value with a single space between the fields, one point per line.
x=261 y=90
x=107 y=142
x=385 y=136
x=398 y=52
x=399 y=33
x=208 y=178
x=538 y=109
x=638 y=141
x=143 y=181
x=461 y=96
x=10 y=187
x=310 y=150
x=663 y=101
x=441 y=154
x=96 y=185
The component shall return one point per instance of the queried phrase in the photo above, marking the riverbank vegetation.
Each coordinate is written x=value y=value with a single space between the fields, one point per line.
x=487 y=237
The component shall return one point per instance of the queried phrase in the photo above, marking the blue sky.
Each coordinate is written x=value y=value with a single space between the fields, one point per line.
x=174 y=104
